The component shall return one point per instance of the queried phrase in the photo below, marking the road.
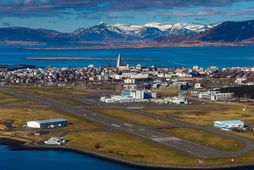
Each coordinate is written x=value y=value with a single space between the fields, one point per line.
x=145 y=132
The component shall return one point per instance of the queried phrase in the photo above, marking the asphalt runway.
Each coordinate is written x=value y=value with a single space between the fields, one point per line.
x=145 y=132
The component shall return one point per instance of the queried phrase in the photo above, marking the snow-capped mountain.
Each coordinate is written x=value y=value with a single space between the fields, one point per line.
x=149 y=31
x=134 y=35
x=98 y=32
x=103 y=32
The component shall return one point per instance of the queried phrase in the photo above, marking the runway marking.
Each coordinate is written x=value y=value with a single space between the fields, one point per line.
x=126 y=124
x=166 y=139
x=135 y=108
x=115 y=125
x=155 y=136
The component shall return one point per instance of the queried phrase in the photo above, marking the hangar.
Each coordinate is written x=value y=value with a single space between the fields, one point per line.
x=49 y=123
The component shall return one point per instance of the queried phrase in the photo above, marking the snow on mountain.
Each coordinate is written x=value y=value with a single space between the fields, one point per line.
x=190 y=28
x=162 y=27
x=128 y=28
x=151 y=31
x=166 y=27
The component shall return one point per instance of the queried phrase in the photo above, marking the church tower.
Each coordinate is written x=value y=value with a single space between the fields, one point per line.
x=118 y=61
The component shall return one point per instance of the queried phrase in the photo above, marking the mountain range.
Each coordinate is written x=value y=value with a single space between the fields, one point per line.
x=151 y=34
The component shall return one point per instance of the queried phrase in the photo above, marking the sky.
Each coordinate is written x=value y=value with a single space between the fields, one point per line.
x=69 y=15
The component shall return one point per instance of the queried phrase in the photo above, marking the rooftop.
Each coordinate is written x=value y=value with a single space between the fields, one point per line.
x=229 y=121
x=49 y=120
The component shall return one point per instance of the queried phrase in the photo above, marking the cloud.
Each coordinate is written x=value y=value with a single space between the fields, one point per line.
x=119 y=15
x=91 y=8
x=206 y=12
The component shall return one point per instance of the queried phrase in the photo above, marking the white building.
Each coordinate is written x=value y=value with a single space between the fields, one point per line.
x=222 y=97
x=172 y=100
x=129 y=81
x=50 y=123
x=135 y=75
x=130 y=86
x=55 y=141
x=138 y=67
x=198 y=86
x=120 y=66
x=140 y=94
x=229 y=124
x=240 y=80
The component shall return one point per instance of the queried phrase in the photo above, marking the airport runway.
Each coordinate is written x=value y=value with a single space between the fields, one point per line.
x=249 y=144
x=146 y=132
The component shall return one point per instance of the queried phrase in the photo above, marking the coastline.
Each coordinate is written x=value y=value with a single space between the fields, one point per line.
x=82 y=58
x=135 y=46
x=19 y=145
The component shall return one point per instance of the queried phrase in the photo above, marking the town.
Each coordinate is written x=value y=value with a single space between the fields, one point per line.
x=138 y=83
x=175 y=107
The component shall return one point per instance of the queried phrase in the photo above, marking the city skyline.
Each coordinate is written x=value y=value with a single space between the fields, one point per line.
x=66 y=16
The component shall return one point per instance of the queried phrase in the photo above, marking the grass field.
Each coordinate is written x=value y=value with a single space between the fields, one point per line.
x=206 y=115
x=167 y=92
x=18 y=112
x=8 y=99
x=84 y=134
x=56 y=91
x=62 y=94
x=128 y=147
x=205 y=138
x=131 y=117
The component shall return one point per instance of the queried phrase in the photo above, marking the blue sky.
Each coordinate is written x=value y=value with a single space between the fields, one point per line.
x=68 y=15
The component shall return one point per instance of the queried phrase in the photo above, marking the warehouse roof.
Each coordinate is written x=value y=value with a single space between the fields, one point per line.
x=229 y=122
x=50 y=120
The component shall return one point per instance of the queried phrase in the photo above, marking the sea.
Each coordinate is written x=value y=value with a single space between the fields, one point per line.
x=53 y=160
x=161 y=57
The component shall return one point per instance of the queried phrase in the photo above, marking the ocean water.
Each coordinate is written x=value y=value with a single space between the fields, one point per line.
x=58 y=160
x=53 y=160
x=166 y=57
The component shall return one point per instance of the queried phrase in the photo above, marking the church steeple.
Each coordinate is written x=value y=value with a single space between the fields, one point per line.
x=118 y=61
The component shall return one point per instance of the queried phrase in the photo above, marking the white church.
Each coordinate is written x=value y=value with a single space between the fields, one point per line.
x=120 y=66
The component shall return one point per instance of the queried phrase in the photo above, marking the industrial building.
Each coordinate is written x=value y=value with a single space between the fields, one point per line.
x=172 y=100
x=49 y=123
x=214 y=95
x=128 y=96
x=222 y=97
x=229 y=124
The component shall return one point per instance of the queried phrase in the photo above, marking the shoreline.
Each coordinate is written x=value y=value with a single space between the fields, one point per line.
x=131 y=46
x=16 y=145
x=81 y=58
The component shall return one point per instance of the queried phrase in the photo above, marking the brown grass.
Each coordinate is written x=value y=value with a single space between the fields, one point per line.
x=131 y=117
x=206 y=115
x=206 y=138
